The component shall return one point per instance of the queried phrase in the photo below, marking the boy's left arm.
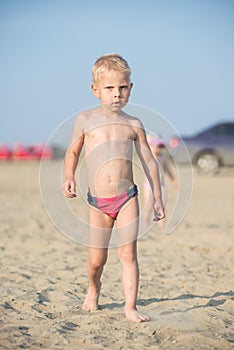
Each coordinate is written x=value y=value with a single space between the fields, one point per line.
x=151 y=170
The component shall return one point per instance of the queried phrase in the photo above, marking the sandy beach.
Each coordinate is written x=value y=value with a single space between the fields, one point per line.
x=186 y=277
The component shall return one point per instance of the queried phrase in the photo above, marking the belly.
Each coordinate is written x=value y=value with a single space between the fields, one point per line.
x=111 y=178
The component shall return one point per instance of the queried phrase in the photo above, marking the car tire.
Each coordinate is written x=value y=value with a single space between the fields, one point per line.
x=207 y=163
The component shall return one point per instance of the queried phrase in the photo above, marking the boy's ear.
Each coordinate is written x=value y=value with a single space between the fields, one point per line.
x=95 y=90
x=131 y=85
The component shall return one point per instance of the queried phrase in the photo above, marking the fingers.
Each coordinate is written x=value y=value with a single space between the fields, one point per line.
x=69 y=194
x=159 y=214
x=69 y=189
x=73 y=189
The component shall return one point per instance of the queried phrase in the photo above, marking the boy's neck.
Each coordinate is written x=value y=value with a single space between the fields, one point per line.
x=109 y=113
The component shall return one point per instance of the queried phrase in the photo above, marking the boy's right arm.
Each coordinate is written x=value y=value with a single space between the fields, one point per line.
x=71 y=161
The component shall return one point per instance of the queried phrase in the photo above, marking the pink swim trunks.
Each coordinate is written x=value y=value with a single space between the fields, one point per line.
x=112 y=205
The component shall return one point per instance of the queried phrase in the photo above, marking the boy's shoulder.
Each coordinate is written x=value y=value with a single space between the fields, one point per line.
x=85 y=114
x=85 y=118
x=133 y=120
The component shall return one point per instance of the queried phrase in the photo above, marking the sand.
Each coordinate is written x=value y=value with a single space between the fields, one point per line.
x=186 y=278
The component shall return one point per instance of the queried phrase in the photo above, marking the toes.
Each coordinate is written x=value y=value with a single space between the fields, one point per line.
x=135 y=316
x=145 y=318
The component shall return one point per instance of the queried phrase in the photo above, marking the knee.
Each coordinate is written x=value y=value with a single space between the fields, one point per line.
x=96 y=263
x=127 y=256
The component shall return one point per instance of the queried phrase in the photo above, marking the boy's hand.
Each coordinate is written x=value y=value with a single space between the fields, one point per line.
x=69 y=188
x=159 y=212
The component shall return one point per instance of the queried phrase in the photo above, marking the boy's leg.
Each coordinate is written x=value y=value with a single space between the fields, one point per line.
x=128 y=221
x=99 y=235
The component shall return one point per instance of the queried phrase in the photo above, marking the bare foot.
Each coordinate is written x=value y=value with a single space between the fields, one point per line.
x=135 y=316
x=91 y=301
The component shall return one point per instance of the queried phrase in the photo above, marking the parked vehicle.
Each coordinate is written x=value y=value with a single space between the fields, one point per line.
x=5 y=152
x=209 y=150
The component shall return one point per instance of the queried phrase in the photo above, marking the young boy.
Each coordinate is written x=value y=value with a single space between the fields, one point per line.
x=107 y=135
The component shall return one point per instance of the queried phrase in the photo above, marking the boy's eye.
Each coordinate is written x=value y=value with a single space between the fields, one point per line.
x=122 y=87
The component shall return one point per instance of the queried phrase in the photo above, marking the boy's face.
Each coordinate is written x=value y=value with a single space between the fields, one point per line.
x=113 y=89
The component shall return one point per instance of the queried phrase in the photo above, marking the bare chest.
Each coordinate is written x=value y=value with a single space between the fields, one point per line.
x=112 y=133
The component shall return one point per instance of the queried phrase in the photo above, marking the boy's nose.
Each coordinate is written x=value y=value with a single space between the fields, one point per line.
x=117 y=92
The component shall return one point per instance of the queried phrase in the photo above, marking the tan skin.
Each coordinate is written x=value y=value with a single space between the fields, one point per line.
x=107 y=135
x=148 y=198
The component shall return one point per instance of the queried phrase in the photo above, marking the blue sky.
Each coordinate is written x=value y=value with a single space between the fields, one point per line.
x=181 y=54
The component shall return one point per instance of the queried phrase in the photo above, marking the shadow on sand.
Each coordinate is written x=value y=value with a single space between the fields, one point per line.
x=211 y=302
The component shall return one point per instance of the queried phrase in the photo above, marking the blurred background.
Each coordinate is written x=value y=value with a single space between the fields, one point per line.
x=181 y=54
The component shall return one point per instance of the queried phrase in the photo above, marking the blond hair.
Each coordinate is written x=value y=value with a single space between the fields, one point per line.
x=108 y=62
